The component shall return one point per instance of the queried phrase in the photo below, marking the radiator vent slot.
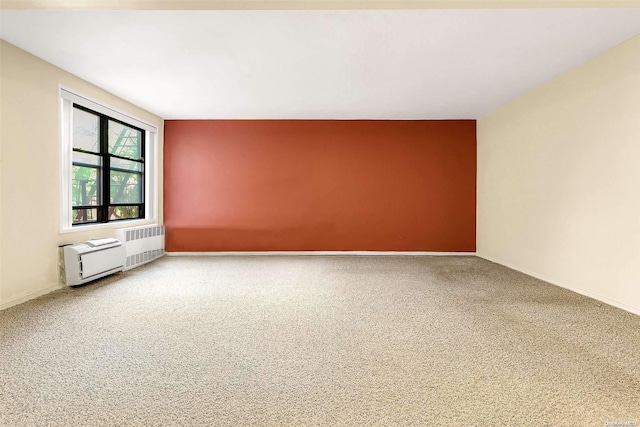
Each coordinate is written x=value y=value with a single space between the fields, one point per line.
x=143 y=257
x=142 y=233
x=142 y=244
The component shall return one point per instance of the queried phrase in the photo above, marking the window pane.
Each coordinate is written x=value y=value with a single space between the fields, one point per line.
x=124 y=212
x=81 y=216
x=126 y=164
x=86 y=128
x=85 y=186
x=126 y=187
x=124 y=141
x=87 y=159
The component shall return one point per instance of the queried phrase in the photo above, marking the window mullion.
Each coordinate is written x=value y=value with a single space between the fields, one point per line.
x=105 y=177
x=141 y=210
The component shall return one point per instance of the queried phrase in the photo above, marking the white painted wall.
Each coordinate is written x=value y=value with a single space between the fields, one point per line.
x=29 y=171
x=559 y=180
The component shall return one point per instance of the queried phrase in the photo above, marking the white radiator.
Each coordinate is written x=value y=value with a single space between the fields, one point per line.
x=142 y=244
x=90 y=260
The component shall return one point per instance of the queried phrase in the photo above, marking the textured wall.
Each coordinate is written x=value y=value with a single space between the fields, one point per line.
x=320 y=185
x=559 y=181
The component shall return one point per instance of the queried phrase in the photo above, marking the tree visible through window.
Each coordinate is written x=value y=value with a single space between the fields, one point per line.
x=108 y=168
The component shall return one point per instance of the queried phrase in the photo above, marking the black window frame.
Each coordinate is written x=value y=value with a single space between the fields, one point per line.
x=104 y=207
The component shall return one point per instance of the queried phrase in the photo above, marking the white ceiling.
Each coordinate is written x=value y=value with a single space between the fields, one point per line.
x=312 y=64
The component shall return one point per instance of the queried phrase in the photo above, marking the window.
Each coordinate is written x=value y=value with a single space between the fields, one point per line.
x=106 y=165
x=107 y=181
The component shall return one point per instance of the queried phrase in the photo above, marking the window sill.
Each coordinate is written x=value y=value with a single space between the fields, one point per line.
x=109 y=225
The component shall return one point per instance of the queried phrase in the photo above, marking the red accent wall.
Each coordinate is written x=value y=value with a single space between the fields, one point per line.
x=303 y=185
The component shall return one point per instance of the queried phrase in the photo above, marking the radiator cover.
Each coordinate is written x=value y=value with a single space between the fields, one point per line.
x=142 y=244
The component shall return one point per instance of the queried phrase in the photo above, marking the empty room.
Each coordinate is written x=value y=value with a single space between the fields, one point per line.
x=310 y=213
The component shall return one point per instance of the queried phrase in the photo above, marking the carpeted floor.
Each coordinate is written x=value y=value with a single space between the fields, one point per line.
x=343 y=341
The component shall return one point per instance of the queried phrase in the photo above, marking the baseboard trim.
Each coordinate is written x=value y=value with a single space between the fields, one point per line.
x=28 y=297
x=321 y=253
x=592 y=295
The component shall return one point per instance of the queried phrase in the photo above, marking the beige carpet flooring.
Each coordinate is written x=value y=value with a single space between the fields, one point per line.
x=314 y=341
